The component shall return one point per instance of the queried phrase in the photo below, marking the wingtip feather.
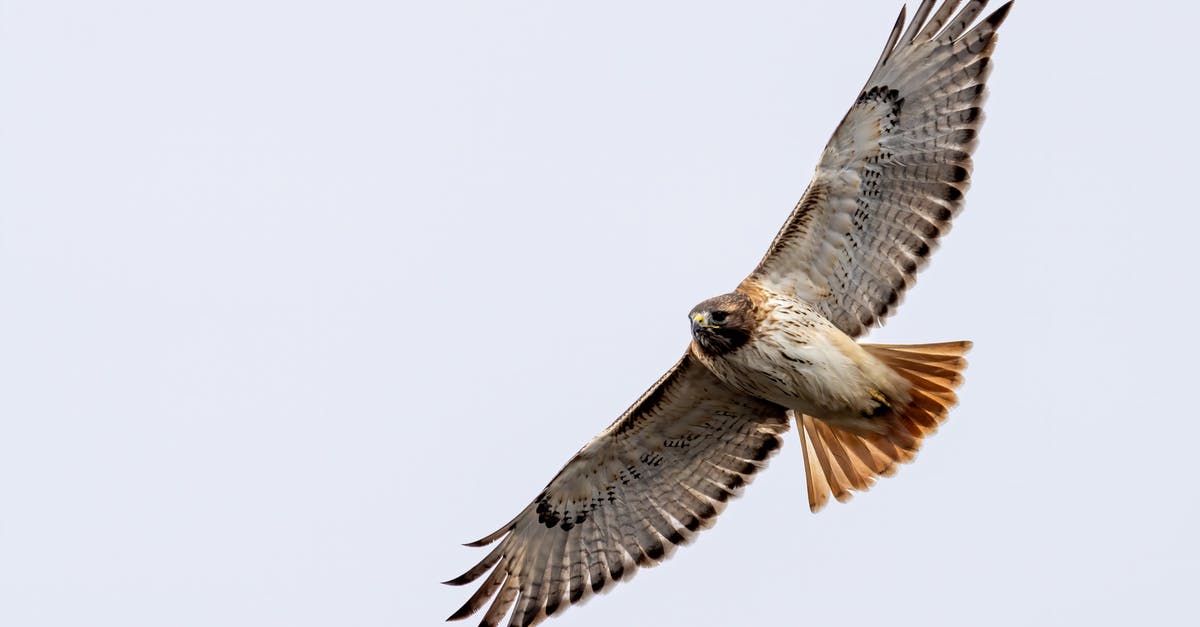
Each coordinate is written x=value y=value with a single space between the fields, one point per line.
x=999 y=15
x=890 y=46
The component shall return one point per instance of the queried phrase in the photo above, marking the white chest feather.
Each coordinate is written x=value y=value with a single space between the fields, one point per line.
x=798 y=359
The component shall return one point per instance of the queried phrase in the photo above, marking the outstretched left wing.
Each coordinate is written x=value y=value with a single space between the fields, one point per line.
x=894 y=173
x=646 y=484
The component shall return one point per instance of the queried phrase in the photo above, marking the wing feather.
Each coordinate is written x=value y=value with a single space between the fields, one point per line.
x=938 y=21
x=894 y=173
x=648 y=483
x=918 y=19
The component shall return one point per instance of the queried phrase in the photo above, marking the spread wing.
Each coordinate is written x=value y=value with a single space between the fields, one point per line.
x=893 y=175
x=649 y=482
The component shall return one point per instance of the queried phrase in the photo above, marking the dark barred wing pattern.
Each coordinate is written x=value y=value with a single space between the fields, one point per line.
x=649 y=482
x=894 y=173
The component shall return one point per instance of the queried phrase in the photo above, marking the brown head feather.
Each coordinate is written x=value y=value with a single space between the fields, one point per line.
x=723 y=324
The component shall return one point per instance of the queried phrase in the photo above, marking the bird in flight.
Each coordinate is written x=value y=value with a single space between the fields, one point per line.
x=781 y=346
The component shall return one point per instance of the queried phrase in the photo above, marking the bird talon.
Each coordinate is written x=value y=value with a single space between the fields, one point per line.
x=883 y=407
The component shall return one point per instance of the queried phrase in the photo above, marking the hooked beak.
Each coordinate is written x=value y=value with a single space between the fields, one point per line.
x=700 y=321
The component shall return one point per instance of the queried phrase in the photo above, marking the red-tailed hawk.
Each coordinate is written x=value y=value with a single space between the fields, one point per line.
x=888 y=184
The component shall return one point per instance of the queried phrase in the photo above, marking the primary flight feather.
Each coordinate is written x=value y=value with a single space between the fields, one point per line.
x=780 y=345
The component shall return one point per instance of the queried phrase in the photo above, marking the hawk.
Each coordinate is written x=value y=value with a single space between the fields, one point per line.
x=781 y=346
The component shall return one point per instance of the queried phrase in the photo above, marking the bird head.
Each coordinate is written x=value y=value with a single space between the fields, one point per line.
x=723 y=324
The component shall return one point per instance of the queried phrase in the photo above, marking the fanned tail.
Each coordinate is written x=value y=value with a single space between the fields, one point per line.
x=838 y=462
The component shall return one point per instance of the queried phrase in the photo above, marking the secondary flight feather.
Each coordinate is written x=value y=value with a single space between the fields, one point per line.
x=781 y=346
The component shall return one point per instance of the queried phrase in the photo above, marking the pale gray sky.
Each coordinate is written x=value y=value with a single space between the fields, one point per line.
x=298 y=296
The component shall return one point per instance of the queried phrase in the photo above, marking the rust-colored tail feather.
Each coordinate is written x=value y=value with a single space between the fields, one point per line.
x=838 y=462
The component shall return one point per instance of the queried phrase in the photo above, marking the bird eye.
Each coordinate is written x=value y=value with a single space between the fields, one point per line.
x=718 y=317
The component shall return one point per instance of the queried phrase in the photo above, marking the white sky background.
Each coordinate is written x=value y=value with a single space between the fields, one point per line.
x=297 y=297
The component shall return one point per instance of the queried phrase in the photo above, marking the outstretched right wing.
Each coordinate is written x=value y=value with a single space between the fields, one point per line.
x=647 y=483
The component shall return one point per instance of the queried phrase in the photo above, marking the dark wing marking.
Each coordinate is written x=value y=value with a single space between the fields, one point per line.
x=649 y=482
